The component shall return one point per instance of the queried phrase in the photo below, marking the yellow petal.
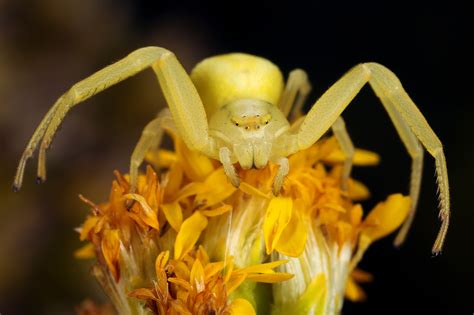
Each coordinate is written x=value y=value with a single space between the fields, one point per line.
x=217 y=211
x=190 y=189
x=218 y=188
x=85 y=252
x=161 y=158
x=362 y=276
x=173 y=214
x=229 y=268
x=361 y=157
x=354 y=292
x=161 y=261
x=355 y=215
x=293 y=238
x=182 y=283
x=172 y=180
x=196 y=278
x=189 y=234
x=263 y=268
x=202 y=255
x=277 y=217
x=343 y=232
x=87 y=227
x=335 y=207
x=270 y=278
x=181 y=270
x=357 y=190
x=365 y=158
x=386 y=217
x=234 y=281
x=213 y=268
x=253 y=191
x=241 y=307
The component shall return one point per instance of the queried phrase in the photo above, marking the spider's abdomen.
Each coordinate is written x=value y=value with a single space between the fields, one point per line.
x=223 y=79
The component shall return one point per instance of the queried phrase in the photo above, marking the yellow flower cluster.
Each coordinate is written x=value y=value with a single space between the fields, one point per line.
x=191 y=243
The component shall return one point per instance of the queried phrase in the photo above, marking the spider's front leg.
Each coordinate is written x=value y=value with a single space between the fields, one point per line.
x=291 y=104
x=408 y=120
x=183 y=99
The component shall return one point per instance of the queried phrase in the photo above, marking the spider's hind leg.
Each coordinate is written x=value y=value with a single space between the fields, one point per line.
x=415 y=150
x=347 y=148
x=295 y=94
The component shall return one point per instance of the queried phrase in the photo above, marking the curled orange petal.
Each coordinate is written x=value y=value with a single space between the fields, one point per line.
x=110 y=246
x=147 y=214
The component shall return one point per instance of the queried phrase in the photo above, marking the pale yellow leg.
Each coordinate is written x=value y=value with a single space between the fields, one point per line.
x=229 y=169
x=150 y=139
x=283 y=169
x=415 y=150
x=291 y=103
x=347 y=148
x=31 y=147
x=184 y=102
x=296 y=91
x=389 y=89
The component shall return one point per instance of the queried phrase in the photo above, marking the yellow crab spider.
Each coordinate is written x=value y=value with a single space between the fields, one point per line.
x=235 y=108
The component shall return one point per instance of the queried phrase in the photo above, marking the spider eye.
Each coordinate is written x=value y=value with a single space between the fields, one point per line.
x=246 y=127
x=237 y=124
x=266 y=123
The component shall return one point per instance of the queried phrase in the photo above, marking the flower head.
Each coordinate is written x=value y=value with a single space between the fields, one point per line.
x=191 y=243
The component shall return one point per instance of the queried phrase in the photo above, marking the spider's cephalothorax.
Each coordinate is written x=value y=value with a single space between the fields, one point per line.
x=240 y=93
x=236 y=108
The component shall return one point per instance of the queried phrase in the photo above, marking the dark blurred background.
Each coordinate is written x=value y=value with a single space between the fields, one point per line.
x=48 y=45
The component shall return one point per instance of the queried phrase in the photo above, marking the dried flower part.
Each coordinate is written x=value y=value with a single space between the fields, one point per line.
x=191 y=243
x=194 y=285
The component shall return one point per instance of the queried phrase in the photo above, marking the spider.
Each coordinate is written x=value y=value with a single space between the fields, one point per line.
x=235 y=108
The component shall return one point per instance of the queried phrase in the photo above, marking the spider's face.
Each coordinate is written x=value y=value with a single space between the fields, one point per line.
x=247 y=120
x=251 y=122
x=248 y=127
